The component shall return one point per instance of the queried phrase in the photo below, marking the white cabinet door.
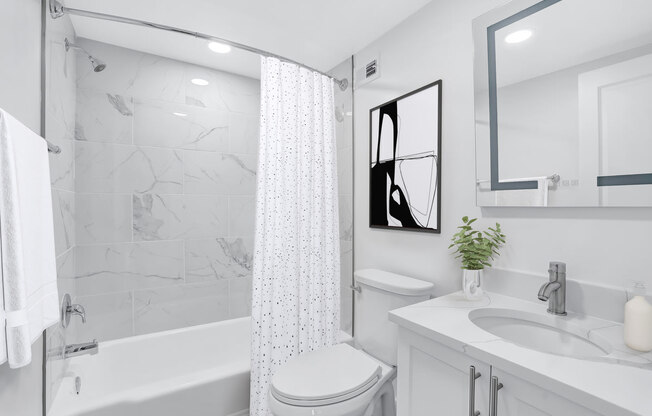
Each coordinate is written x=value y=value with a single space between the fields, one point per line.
x=434 y=380
x=518 y=397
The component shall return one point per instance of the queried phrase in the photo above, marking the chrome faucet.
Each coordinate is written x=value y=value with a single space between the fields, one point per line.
x=555 y=290
x=68 y=309
x=79 y=310
x=74 y=350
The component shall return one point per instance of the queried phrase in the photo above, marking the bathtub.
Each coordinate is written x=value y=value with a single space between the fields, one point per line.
x=197 y=371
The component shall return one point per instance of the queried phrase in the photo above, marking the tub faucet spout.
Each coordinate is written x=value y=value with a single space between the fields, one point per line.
x=75 y=350
x=555 y=290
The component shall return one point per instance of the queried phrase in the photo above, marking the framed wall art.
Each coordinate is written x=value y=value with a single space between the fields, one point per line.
x=405 y=161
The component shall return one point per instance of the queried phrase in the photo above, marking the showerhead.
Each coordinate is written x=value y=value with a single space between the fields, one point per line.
x=97 y=64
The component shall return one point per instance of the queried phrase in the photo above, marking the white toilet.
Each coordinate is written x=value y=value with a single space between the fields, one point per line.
x=345 y=381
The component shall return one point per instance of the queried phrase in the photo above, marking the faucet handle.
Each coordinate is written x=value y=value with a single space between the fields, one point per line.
x=556 y=268
x=77 y=309
x=68 y=309
x=555 y=290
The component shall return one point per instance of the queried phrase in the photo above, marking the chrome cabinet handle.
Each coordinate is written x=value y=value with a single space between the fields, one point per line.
x=493 y=396
x=472 y=377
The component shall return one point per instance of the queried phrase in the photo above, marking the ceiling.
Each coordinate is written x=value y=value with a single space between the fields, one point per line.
x=320 y=34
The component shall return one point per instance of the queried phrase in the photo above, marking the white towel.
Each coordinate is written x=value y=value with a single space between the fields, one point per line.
x=29 y=276
x=525 y=197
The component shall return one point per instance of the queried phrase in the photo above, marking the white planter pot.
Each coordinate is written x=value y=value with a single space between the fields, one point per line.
x=471 y=283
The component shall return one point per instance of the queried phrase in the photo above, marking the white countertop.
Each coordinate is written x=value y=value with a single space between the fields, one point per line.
x=620 y=384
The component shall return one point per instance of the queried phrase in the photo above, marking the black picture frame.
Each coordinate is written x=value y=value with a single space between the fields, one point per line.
x=384 y=210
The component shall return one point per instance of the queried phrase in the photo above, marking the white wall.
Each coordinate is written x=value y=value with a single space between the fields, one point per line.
x=603 y=245
x=20 y=58
x=20 y=95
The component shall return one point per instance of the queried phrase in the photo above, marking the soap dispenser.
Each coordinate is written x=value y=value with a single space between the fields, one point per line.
x=638 y=320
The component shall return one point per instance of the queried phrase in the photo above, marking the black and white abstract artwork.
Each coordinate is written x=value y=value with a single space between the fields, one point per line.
x=405 y=162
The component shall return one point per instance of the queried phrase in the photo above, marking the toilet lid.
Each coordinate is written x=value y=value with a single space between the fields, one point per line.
x=325 y=376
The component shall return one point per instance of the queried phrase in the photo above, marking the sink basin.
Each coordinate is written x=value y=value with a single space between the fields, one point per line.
x=550 y=334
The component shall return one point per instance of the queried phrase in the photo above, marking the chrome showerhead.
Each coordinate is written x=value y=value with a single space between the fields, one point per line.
x=97 y=64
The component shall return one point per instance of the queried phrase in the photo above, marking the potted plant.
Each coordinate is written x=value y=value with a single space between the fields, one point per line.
x=476 y=249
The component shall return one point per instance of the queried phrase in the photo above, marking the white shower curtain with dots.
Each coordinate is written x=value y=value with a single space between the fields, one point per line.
x=296 y=272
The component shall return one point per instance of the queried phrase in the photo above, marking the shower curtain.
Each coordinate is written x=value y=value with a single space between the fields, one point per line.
x=296 y=272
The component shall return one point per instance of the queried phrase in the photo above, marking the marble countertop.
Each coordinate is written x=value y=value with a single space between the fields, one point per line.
x=617 y=384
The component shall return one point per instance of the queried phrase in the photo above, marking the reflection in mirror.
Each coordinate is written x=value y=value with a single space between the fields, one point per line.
x=563 y=104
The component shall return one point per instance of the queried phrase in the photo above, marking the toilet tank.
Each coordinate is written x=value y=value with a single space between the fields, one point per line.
x=381 y=292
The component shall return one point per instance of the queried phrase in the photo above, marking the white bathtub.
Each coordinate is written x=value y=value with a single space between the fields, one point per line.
x=197 y=371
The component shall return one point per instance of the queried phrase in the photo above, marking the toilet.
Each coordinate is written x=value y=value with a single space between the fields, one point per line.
x=343 y=380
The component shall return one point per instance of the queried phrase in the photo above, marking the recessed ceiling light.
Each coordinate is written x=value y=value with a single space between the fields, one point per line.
x=199 y=81
x=180 y=114
x=219 y=47
x=518 y=36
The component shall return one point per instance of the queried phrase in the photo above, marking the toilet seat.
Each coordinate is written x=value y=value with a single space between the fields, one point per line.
x=327 y=376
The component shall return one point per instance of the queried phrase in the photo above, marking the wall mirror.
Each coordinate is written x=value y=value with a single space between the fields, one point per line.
x=563 y=104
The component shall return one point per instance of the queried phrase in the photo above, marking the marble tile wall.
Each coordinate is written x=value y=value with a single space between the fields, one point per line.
x=344 y=135
x=60 y=103
x=165 y=176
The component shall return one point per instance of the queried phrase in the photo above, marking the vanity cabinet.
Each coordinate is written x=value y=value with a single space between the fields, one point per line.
x=518 y=397
x=435 y=380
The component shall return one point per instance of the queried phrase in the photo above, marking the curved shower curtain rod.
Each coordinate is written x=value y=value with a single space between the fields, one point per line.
x=57 y=10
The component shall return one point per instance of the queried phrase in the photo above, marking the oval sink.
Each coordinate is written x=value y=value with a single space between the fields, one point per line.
x=554 y=335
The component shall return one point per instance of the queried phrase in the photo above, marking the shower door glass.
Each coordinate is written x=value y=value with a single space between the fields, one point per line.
x=154 y=190
x=165 y=176
x=344 y=138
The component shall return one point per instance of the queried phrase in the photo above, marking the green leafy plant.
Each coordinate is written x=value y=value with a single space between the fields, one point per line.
x=477 y=248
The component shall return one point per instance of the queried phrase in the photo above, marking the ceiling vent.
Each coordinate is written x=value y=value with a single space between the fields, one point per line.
x=371 y=69
x=367 y=73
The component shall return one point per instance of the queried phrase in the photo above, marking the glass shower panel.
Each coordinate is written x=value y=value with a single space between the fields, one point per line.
x=344 y=137
x=165 y=175
x=59 y=104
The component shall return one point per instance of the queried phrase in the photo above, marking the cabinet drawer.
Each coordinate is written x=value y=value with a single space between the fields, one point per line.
x=519 y=397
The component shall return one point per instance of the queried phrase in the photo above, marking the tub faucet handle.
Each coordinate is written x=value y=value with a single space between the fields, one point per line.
x=79 y=310
x=69 y=309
